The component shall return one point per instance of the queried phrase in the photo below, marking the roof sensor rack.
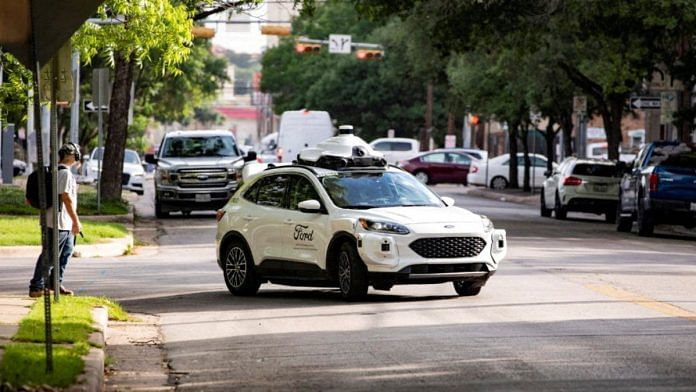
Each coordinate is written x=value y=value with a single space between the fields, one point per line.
x=343 y=151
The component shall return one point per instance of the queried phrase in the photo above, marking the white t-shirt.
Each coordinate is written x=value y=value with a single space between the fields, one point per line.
x=66 y=184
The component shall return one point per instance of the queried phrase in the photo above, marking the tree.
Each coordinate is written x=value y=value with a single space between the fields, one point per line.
x=13 y=91
x=155 y=32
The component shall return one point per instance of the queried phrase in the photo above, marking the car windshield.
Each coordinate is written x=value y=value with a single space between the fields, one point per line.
x=129 y=156
x=200 y=146
x=676 y=156
x=373 y=190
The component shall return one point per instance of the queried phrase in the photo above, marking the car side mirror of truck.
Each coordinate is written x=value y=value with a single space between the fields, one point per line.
x=309 y=206
x=250 y=156
x=150 y=158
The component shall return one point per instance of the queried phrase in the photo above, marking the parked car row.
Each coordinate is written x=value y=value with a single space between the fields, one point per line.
x=658 y=187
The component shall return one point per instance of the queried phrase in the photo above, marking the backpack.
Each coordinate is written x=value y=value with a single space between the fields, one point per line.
x=32 y=191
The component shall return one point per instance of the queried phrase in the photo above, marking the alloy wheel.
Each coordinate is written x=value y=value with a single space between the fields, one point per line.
x=236 y=267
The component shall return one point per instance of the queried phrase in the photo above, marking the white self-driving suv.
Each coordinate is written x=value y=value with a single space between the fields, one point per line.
x=339 y=216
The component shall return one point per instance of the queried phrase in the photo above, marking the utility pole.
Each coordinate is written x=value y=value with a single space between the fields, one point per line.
x=425 y=133
x=75 y=108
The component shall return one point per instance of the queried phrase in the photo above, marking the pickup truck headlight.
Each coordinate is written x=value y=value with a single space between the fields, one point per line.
x=166 y=177
x=383 y=227
x=487 y=224
x=232 y=173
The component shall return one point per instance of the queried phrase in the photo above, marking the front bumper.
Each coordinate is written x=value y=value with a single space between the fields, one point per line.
x=195 y=198
x=393 y=254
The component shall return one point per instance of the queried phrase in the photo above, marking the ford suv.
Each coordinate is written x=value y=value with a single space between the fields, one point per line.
x=341 y=217
x=196 y=170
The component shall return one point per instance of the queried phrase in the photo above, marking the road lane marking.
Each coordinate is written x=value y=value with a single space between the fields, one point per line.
x=627 y=296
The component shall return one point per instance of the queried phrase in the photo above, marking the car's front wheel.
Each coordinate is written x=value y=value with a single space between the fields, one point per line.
x=159 y=211
x=623 y=224
x=238 y=269
x=466 y=289
x=499 y=183
x=645 y=220
x=352 y=273
x=422 y=177
x=560 y=211
x=545 y=212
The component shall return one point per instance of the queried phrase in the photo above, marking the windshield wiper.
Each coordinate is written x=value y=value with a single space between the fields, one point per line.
x=359 y=207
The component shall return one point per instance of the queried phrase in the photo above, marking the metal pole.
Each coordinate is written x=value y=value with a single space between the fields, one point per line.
x=54 y=178
x=99 y=144
x=75 y=108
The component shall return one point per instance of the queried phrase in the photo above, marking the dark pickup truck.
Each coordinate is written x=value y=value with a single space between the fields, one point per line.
x=659 y=188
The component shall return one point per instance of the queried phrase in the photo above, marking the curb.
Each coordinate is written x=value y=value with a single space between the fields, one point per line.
x=92 y=378
x=114 y=247
x=530 y=200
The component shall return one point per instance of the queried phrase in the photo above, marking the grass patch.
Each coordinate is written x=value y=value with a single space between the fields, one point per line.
x=24 y=360
x=25 y=364
x=23 y=230
x=12 y=202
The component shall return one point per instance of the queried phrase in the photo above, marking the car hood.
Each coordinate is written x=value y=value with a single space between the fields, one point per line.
x=180 y=163
x=424 y=215
x=130 y=168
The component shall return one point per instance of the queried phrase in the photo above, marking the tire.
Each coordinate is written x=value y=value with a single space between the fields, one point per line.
x=499 y=183
x=559 y=211
x=238 y=270
x=139 y=193
x=352 y=273
x=646 y=223
x=623 y=224
x=159 y=213
x=422 y=176
x=610 y=215
x=466 y=289
x=383 y=286
x=545 y=212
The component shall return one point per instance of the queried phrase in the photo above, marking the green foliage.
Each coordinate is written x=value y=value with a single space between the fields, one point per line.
x=25 y=230
x=13 y=91
x=25 y=365
x=12 y=202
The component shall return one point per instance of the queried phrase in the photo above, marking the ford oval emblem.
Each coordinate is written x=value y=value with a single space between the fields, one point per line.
x=449 y=226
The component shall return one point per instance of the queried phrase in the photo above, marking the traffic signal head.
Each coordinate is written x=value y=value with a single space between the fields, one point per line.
x=473 y=119
x=276 y=30
x=307 y=48
x=369 y=54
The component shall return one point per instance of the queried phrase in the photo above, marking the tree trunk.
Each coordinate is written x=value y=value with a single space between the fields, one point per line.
x=567 y=125
x=550 y=135
x=612 y=116
x=526 y=186
x=115 y=145
x=512 y=175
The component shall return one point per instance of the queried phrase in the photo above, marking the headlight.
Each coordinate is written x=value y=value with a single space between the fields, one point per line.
x=232 y=173
x=383 y=227
x=165 y=176
x=487 y=224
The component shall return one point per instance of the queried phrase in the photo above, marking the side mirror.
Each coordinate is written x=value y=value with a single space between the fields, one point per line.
x=150 y=158
x=449 y=202
x=250 y=156
x=309 y=206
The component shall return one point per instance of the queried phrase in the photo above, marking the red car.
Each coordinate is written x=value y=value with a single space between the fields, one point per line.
x=438 y=167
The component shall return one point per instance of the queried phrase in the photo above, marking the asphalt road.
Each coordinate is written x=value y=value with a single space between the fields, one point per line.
x=576 y=306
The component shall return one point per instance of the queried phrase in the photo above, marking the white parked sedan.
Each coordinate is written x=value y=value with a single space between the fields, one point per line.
x=133 y=172
x=341 y=217
x=495 y=172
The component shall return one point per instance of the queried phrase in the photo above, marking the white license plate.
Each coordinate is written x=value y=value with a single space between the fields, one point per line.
x=600 y=188
x=202 y=197
x=693 y=206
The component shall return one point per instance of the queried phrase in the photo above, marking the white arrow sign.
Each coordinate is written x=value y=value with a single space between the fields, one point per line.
x=645 y=103
x=89 y=106
x=340 y=43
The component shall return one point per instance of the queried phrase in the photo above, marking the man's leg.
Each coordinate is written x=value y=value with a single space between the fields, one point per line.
x=36 y=285
x=66 y=242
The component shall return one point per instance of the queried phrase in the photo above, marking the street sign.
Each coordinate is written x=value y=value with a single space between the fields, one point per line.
x=580 y=104
x=450 y=141
x=64 y=92
x=90 y=106
x=645 y=103
x=340 y=43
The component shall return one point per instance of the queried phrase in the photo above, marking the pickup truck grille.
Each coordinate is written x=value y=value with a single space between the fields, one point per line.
x=202 y=178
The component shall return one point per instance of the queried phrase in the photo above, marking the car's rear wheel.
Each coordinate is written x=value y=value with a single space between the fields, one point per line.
x=610 y=215
x=159 y=211
x=558 y=209
x=623 y=224
x=645 y=220
x=466 y=289
x=499 y=183
x=422 y=176
x=545 y=212
x=238 y=269
x=352 y=273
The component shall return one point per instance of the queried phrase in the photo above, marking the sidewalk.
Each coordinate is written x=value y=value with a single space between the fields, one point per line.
x=12 y=310
x=506 y=195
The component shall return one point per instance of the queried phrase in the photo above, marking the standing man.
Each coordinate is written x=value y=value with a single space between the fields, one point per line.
x=68 y=222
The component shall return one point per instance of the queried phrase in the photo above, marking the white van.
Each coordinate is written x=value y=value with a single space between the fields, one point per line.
x=300 y=129
x=396 y=149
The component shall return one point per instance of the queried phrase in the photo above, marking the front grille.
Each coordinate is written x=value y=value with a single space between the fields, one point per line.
x=202 y=178
x=125 y=178
x=448 y=247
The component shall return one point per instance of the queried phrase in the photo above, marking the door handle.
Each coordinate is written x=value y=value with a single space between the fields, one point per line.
x=249 y=218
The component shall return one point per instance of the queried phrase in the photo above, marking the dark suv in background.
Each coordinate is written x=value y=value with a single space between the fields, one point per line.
x=659 y=188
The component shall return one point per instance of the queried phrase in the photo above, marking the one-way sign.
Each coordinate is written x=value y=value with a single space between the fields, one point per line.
x=645 y=103
x=89 y=106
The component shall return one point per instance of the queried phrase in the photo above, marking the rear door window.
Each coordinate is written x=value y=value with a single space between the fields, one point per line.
x=272 y=191
x=434 y=158
x=401 y=146
x=588 y=169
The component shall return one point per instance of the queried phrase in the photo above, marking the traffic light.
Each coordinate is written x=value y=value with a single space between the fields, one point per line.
x=369 y=54
x=276 y=30
x=307 y=48
x=473 y=119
